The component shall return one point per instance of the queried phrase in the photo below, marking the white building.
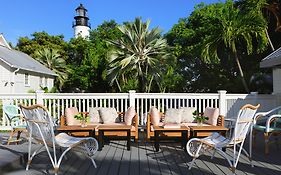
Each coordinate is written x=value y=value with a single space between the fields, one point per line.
x=20 y=73
x=274 y=61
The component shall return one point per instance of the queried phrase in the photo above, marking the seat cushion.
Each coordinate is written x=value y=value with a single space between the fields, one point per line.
x=187 y=114
x=129 y=115
x=194 y=124
x=94 y=115
x=69 y=116
x=154 y=116
x=119 y=124
x=212 y=114
x=108 y=115
x=159 y=124
x=173 y=115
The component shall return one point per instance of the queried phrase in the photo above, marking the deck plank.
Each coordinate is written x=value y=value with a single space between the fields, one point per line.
x=114 y=159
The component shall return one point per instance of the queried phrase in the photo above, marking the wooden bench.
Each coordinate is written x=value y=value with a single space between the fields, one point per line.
x=134 y=130
x=150 y=131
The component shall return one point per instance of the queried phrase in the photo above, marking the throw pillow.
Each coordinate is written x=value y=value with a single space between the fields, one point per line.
x=94 y=115
x=187 y=116
x=154 y=116
x=129 y=115
x=212 y=114
x=69 y=115
x=173 y=115
x=108 y=115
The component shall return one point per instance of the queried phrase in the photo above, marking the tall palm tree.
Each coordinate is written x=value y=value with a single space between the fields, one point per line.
x=138 y=50
x=234 y=29
x=52 y=60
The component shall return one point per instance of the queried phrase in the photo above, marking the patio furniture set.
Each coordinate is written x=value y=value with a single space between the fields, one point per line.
x=106 y=123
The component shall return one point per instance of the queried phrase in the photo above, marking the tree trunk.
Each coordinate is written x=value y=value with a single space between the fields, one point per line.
x=241 y=72
x=269 y=40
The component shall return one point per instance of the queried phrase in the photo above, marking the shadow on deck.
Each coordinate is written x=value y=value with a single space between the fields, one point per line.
x=142 y=159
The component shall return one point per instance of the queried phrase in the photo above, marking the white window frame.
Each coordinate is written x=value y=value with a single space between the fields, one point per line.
x=46 y=82
x=26 y=79
x=41 y=81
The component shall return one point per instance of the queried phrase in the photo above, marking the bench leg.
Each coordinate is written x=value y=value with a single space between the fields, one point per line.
x=156 y=142
x=128 y=140
x=101 y=133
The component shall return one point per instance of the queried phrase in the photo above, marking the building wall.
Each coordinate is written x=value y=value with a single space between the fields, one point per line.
x=83 y=31
x=16 y=83
x=276 y=80
x=5 y=72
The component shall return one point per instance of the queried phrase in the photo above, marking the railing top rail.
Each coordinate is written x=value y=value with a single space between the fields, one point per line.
x=85 y=95
x=178 y=95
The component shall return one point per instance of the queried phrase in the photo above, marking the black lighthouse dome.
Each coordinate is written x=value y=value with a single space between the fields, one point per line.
x=81 y=18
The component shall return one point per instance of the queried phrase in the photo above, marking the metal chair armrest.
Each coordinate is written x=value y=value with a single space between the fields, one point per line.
x=269 y=120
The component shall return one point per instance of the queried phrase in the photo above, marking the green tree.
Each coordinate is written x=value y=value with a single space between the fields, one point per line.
x=41 y=40
x=270 y=10
x=52 y=60
x=88 y=60
x=137 y=52
x=231 y=29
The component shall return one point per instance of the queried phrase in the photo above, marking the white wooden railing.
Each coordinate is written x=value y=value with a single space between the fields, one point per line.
x=56 y=103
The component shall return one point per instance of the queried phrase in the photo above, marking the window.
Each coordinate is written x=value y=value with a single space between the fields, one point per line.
x=26 y=79
x=46 y=82
x=41 y=82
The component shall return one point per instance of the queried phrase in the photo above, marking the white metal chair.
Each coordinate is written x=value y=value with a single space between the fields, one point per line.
x=12 y=113
x=269 y=123
x=41 y=129
x=216 y=142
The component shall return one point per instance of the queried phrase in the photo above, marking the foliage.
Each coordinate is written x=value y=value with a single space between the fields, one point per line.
x=81 y=116
x=41 y=40
x=88 y=60
x=199 y=118
x=212 y=40
x=137 y=53
x=52 y=60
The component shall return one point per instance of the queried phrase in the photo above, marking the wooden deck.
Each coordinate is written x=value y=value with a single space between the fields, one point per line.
x=114 y=159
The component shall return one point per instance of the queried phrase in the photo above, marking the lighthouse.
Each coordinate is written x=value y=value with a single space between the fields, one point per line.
x=81 y=23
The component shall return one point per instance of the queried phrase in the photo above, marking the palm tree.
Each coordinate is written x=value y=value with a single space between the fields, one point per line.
x=234 y=29
x=52 y=60
x=265 y=7
x=138 y=50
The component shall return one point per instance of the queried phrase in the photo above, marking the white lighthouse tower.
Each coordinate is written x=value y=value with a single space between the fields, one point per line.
x=81 y=23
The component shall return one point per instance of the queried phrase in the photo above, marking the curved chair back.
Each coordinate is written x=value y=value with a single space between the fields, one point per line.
x=243 y=122
x=12 y=113
x=40 y=124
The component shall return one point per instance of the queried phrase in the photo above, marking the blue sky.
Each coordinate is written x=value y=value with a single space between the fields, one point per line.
x=23 y=17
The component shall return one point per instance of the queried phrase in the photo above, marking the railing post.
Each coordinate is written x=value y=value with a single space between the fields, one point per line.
x=222 y=102
x=132 y=94
x=39 y=97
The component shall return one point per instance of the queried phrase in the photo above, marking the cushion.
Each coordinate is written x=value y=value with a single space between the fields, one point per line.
x=94 y=115
x=69 y=116
x=194 y=124
x=212 y=114
x=129 y=115
x=173 y=115
x=187 y=114
x=159 y=124
x=154 y=116
x=108 y=115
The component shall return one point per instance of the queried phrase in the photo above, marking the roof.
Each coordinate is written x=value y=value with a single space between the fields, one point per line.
x=17 y=59
x=272 y=60
x=3 y=41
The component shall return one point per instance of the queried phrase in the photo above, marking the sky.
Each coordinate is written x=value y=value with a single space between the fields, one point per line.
x=20 y=18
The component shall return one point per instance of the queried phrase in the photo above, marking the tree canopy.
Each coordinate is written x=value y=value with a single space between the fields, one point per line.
x=214 y=48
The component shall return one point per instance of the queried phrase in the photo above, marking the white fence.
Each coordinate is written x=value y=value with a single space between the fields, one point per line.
x=56 y=103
